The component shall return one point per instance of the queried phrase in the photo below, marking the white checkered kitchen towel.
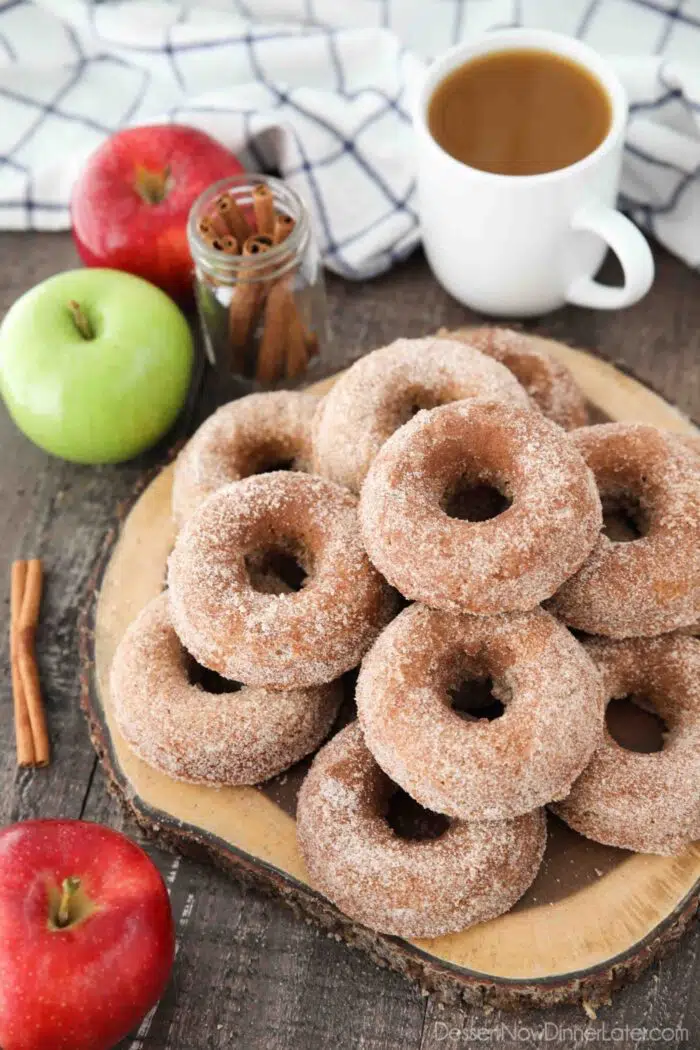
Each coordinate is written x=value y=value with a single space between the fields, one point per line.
x=320 y=89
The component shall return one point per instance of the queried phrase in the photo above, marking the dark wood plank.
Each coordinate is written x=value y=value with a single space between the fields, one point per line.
x=641 y=1016
x=249 y=974
x=665 y=998
x=56 y=511
x=37 y=511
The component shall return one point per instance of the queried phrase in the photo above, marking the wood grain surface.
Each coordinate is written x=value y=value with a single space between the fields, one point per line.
x=248 y=973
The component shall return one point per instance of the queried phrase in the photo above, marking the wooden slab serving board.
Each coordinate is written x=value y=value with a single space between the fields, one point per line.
x=595 y=916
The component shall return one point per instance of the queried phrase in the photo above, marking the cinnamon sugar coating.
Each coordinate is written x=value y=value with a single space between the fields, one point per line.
x=649 y=803
x=478 y=769
x=242 y=438
x=508 y=563
x=408 y=888
x=382 y=390
x=650 y=585
x=549 y=383
x=205 y=738
x=287 y=640
x=691 y=442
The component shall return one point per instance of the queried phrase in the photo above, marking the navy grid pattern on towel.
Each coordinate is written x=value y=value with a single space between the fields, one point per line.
x=321 y=91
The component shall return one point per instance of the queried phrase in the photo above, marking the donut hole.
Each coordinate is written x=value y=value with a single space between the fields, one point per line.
x=415 y=400
x=473 y=699
x=270 y=463
x=209 y=681
x=624 y=519
x=409 y=820
x=264 y=456
x=277 y=570
x=635 y=724
x=469 y=501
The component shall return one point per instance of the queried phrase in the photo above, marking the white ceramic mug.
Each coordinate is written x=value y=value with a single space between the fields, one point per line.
x=519 y=245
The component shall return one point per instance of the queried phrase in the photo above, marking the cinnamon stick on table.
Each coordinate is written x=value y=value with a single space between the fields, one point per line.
x=23 y=729
x=30 y=718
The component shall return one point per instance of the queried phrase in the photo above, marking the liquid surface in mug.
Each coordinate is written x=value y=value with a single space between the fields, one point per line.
x=519 y=112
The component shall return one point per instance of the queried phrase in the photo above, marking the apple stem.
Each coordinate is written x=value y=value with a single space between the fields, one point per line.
x=152 y=186
x=69 y=887
x=80 y=319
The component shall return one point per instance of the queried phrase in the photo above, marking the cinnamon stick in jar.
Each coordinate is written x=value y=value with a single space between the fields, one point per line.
x=236 y=223
x=264 y=208
x=247 y=298
x=284 y=344
x=283 y=226
x=312 y=347
x=211 y=226
x=297 y=348
x=228 y=244
x=297 y=352
x=273 y=341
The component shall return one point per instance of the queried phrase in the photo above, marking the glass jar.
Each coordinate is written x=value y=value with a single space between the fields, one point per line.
x=258 y=280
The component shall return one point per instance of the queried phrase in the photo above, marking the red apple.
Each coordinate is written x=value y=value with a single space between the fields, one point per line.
x=131 y=201
x=86 y=936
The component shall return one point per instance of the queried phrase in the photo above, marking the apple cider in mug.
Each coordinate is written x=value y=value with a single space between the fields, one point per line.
x=520 y=134
x=519 y=112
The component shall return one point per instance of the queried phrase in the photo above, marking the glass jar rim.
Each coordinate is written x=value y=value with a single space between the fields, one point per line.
x=279 y=256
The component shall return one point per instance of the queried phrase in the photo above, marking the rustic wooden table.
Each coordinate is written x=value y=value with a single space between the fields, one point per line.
x=249 y=974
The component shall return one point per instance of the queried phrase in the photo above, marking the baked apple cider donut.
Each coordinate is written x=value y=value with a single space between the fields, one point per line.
x=384 y=389
x=512 y=561
x=650 y=585
x=180 y=728
x=477 y=769
x=692 y=443
x=305 y=637
x=257 y=433
x=647 y=802
x=406 y=887
x=549 y=383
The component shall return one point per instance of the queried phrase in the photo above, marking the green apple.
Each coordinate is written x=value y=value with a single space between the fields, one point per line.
x=95 y=364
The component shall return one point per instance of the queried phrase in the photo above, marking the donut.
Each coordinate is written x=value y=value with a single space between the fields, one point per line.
x=382 y=390
x=509 y=563
x=480 y=769
x=400 y=886
x=651 y=585
x=256 y=433
x=302 y=638
x=649 y=803
x=201 y=737
x=549 y=383
x=691 y=443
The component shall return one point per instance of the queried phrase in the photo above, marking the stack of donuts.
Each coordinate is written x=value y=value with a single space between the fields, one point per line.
x=444 y=509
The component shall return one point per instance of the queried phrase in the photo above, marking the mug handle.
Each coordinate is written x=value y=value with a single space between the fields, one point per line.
x=631 y=248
